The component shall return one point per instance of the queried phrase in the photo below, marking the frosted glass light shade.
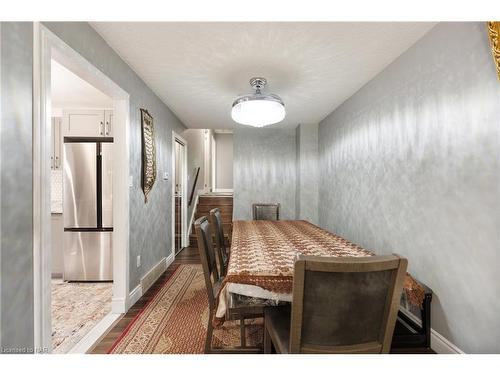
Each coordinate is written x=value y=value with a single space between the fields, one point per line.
x=258 y=110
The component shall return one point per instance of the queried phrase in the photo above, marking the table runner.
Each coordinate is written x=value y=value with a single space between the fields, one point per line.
x=263 y=254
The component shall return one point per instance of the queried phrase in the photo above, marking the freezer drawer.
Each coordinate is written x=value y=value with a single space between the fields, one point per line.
x=88 y=256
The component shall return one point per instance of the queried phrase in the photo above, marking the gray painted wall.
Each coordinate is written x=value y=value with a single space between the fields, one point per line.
x=264 y=170
x=277 y=165
x=223 y=161
x=410 y=164
x=307 y=172
x=150 y=224
x=16 y=242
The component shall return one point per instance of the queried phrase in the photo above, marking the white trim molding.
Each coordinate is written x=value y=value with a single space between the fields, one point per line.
x=153 y=274
x=149 y=279
x=223 y=191
x=439 y=343
x=47 y=46
x=90 y=340
x=134 y=296
x=169 y=260
x=184 y=204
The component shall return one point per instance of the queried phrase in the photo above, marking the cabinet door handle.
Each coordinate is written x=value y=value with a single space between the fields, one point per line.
x=57 y=163
x=101 y=128
x=51 y=162
x=108 y=128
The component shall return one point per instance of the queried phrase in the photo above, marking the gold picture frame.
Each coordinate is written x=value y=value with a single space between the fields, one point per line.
x=148 y=153
x=494 y=34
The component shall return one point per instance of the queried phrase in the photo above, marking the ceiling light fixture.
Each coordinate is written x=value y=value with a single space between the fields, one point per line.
x=258 y=109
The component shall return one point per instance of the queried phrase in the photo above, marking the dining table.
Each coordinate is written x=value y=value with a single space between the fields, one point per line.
x=262 y=255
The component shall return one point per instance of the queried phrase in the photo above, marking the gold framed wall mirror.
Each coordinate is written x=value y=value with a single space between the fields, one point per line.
x=494 y=34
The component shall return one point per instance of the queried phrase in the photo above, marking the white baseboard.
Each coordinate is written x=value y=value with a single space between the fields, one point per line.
x=89 y=341
x=152 y=275
x=119 y=305
x=147 y=280
x=169 y=260
x=439 y=343
x=442 y=346
x=135 y=295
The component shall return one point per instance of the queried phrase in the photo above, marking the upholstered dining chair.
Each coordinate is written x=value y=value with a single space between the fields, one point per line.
x=266 y=211
x=237 y=308
x=220 y=240
x=339 y=305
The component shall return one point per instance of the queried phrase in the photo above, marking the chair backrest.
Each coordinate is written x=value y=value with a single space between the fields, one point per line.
x=207 y=255
x=345 y=304
x=218 y=231
x=266 y=211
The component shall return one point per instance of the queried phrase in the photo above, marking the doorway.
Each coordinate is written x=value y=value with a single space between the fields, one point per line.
x=179 y=193
x=49 y=130
x=81 y=207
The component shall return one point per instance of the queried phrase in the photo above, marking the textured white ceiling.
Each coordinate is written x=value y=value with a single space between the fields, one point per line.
x=70 y=91
x=198 y=69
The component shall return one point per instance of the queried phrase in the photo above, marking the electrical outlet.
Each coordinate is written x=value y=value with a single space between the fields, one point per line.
x=165 y=176
x=138 y=261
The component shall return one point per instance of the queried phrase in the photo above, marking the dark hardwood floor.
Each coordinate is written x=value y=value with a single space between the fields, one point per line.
x=188 y=255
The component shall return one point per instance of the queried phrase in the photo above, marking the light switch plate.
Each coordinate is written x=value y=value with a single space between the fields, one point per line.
x=165 y=176
x=138 y=261
x=130 y=181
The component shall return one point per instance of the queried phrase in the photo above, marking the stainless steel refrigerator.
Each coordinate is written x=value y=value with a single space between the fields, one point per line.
x=88 y=209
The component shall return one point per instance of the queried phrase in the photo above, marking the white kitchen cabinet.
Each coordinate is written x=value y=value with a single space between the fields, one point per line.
x=56 y=144
x=88 y=123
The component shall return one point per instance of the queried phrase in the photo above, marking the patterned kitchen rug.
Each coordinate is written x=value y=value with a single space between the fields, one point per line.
x=175 y=320
x=76 y=309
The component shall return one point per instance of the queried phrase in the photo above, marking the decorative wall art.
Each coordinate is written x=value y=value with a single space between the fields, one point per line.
x=148 y=153
x=494 y=33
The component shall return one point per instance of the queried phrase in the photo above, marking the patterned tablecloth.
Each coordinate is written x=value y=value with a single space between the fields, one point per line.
x=263 y=253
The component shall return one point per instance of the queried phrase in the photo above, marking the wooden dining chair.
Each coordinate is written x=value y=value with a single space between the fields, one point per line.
x=266 y=211
x=339 y=305
x=220 y=240
x=237 y=308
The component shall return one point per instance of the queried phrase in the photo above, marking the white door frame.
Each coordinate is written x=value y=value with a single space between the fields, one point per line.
x=213 y=159
x=207 y=158
x=46 y=46
x=184 y=224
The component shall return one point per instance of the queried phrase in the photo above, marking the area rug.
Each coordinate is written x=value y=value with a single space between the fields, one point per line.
x=175 y=320
x=76 y=309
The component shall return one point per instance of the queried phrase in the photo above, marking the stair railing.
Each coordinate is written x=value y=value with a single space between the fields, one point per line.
x=194 y=186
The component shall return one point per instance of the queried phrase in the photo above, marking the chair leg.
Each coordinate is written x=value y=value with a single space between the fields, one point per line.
x=243 y=333
x=268 y=344
x=208 y=340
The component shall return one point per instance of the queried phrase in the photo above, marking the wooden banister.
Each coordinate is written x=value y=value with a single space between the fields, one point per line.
x=194 y=186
